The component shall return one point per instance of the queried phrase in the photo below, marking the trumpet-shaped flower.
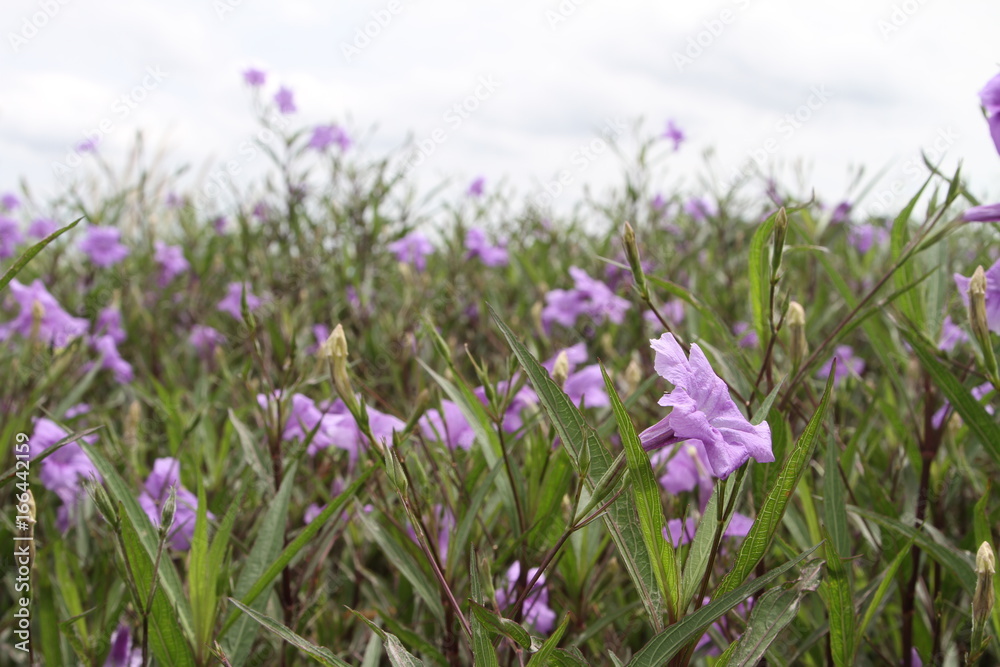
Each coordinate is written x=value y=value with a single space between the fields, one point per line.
x=992 y=294
x=703 y=411
x=55 y=327
x=536 y=608
x=166 y=474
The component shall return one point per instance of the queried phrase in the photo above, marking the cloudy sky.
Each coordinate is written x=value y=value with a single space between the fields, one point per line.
x=830 y=86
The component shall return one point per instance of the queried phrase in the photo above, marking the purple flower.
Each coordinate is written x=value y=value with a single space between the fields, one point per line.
x=231 y=303
x=63 y=471
x=254 y=77
x=42 y=227
x=447 y=425
x=674 y=134
x=699 y=208
x=476 y=187
x=951 y=335
x=990 y=97
x=171 y=261
x=285 y=101
x=102 y=246
x=703 y=411
x=841 y=213
x=985 y=213
x=77 y=410
x=536 y=606
x=165 y=474
x=864 y=236
x=122 y=654
x=658 y=203
x=9 y=201
x=747 y=336
x=109 y=322
x=412 y=249
x=478 y=246
x=261 y=210
x=10 y=237
x=219 y=225
x=992 y=294
x=88 y=145
x=55 y=327
x=589 y=297
x=585 y=386
x=682 y=532
x=111 y=359
x=205 y=339
x=327 y=135
x=847 y=364
x=174 y=200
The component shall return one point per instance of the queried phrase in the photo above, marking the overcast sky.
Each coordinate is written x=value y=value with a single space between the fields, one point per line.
x=872 y=82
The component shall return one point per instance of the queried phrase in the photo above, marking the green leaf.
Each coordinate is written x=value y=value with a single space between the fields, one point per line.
x=836 y=592
x=544 y=654
x=646 y=492
x=482 y=648
x=146 y=537
x=318 y=653
x=668 y=643
x=251 y=453
x=910 y=302
x=405 y=564
x=760 y=414
x=759 y=266
x=29 y=254
x=758 y=540
x=883 y=587
x=975 y=416
x=501 y=626
x=166 y=637
x=267 y=546
x=575 y=433
x=772 y=611
x=833 y=501
x=335 y=507
x=398 y=655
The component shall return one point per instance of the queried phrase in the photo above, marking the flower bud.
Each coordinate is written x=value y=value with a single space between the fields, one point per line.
x=335 y=349
x=633 y=374
x=167 y=513
x=982 y=602
x=632 y=253
x=798 y=346
x=130 y=429
x=560 y=370
x=980 y=325
x=394 y=470
x=103 y=503
x=37 y=314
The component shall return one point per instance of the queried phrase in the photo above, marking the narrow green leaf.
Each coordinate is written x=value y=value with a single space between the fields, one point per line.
x=834 y=511
x=166 y=637
x=201 y=582
x=975 y=416
x=888 y=576
x=501 y=626
x=772 y=611
x=482 y=648
x=542 y=657
x=575 y=433
x=668 y=643
x=758 y=540
x=251 y=452
x=267 y=546
x=146 y=536
x=836 y=592
x=646 y=493
x=759 y=267
x=29 y=254
x=398 y=655
x=318 y=653
x=760 y=414
x=910 y=302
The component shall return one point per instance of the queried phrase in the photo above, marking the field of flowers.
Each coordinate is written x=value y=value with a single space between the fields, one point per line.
x=337 y=423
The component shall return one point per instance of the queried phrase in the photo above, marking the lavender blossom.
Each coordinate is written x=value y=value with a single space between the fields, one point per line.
x=10 y=237
x=674 y=134
x=412 y=249
x=478 y=246
x=55 y=327
x=42 y=227
x=254 y=77
x=951 y=335
x=703 y=411
x=231 y=303
x=990 y=97
x=285 y=101
x=205 y=339
x=64 y=471
x=537 y=612
x=325 y=136
x=992 y=294
x=589 y=297
x=847 y=364
x=102 y=246
x=166 y=474
x=171 y=261
x=476 y=187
